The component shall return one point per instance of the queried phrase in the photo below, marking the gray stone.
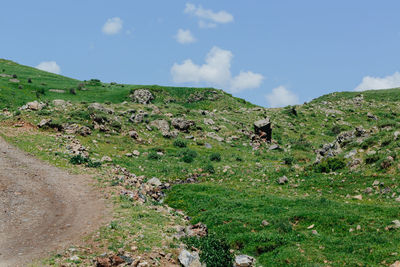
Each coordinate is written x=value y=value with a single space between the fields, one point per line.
x=244 y=261
x=142 y=96
x=59 y=103
x=154 y=181
x=182 y=124
x=43 y=123
x=274 y=147
x=283 y=180
x=188 y=259
x=262 y=129
x=99 y=107
x=215 y=136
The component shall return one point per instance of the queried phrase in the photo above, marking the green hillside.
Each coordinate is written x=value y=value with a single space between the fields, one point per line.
x=336 y=209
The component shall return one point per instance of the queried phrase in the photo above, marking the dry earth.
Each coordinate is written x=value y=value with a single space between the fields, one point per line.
x=42 y=208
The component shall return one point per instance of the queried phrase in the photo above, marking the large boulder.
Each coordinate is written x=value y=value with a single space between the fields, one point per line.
x=188 y=259
x=35 y=106
x=162 y=126
x=262 y=129
x=142 y=96
x=100 y=107
x=182 y=124
x=244 y=261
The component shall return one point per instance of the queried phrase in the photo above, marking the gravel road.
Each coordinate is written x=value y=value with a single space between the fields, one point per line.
x=42 y=208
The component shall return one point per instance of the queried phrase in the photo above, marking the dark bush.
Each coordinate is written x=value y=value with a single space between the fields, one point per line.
x=188 y=155
x=214 y=250
x=180 y=143
x=78 y=160
x=330 y=165
x=209 y=168
x=288 y=160
x=215 y=157
x=153 y=155
x=72 y=91
x=370 y=159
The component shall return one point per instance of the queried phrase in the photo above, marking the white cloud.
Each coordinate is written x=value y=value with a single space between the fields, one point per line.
x=49 y=66
x=208 y=18
x=112 y=26
x=216 y=71
x=246 y=80
x=281 y=97
x=369 y=82
x=184 y=37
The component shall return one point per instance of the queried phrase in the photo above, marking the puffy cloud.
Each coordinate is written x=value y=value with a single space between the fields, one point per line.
x=281 y=97
x=49 y=66
x=246 y=80
x=208 y=18
x=112 y=26
x=215 y=71
x=184 y=37
x=369 y=82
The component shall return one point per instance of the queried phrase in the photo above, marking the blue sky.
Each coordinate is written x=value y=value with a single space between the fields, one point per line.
x=272 y=53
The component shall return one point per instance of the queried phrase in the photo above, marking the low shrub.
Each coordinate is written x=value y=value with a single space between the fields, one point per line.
x=214 y=250
x=180 y=143
x=215 y=157
x=330 y=165
x=78 y=160
x=153 y=155
x=209 y=168
x=188 y=155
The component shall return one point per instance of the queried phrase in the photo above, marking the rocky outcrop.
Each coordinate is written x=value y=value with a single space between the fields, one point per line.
x=263 y=129
x=182 y=124
x=142 y=96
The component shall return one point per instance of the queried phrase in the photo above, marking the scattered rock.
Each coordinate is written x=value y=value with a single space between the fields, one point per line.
x=35 y=106
x=136 y=153
x=59 y=103
x=44 y=122
x=265 y=223
x=162 y=126
x=198 y=229
x=154 y=181
x=13 y=80
x=182 y=124
x=99 y=107
x=215 y=136
x=142 y=96
x=372 y=116
x=106 y=159
x=133 y=134
x=283 y=180
x=208 y=121
x=274 y=147
x=358 y=197
x=395 y=264
x=244 y=261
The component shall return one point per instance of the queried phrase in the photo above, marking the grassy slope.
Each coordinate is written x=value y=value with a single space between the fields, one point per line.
x=243 y=191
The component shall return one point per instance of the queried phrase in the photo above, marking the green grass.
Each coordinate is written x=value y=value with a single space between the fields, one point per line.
x=236 y=186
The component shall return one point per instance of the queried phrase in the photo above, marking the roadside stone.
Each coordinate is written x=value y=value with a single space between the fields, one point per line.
x=188 y=259
x=244 y=261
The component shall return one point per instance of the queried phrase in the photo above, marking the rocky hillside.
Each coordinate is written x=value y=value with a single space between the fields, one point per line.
x=314 y=184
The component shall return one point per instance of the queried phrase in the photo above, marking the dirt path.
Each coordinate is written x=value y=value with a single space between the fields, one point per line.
x=42 y=208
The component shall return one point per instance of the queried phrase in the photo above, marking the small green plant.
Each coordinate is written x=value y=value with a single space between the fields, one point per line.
x=370 y=159
x=180 y=143
x=209 y=168
x=215 y=157
x=153 y=155
x=330 y=165
x=214 y=250
x=78 y=160
x=188 y=155
x=288 y=160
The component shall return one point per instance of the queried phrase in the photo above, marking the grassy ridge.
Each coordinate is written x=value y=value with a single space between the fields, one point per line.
x=236 y=188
